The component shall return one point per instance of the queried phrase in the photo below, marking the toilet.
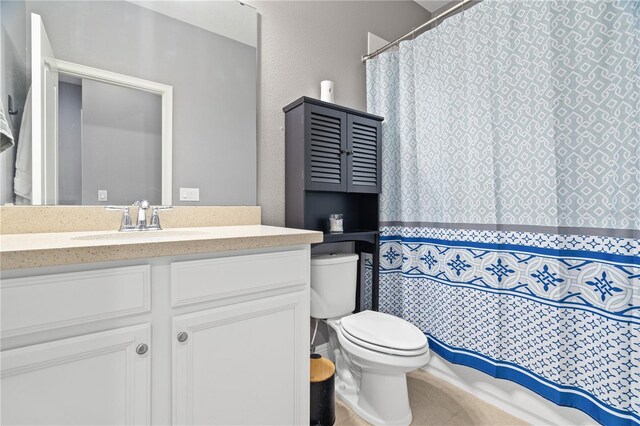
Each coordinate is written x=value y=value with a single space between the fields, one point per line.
x=372 y=351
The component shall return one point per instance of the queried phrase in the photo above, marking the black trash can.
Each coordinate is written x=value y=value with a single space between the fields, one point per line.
x=323 y=403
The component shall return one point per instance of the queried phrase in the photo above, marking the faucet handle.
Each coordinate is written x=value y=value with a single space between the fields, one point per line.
x=125 y=222
x=121 y=208
x=155 y=218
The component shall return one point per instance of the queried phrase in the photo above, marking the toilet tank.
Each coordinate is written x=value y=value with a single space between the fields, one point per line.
x=333 y=284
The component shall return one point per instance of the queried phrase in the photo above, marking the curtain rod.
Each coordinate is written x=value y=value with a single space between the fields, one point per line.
x=387 y=46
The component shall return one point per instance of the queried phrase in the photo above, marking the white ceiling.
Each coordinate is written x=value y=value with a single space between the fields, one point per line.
x=229 y=18
x=433 y=5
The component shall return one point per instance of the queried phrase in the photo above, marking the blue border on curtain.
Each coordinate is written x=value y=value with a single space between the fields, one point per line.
x=576 y=398
x=557 y=253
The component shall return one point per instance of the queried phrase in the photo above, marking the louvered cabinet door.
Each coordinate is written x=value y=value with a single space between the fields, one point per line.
x=363 y=160
x=326 y=159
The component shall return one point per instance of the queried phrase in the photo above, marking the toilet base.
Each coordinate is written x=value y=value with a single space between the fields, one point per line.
x=383 y=398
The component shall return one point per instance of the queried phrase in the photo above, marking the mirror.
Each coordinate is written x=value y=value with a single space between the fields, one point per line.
x=131 y=100
x=94 y=132
x=111 y=143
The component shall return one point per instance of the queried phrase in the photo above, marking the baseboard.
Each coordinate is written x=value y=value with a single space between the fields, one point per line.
x=506 y=395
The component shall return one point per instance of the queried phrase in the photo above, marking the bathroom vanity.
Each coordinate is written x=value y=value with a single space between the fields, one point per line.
x=206 y=325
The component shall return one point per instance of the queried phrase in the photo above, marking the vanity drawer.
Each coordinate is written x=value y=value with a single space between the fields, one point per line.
x=46 y=302
x=211 y=279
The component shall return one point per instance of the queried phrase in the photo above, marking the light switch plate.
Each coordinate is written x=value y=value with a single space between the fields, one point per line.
x=102 y=195
x=189 y=194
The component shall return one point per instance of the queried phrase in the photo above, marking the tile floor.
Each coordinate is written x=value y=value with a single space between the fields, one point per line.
x=435 y=402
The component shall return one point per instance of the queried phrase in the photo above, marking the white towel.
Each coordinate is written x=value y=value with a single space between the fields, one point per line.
x=22 y=179
x=6 y=137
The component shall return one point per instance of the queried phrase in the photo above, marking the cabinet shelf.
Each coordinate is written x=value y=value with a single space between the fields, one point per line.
x=352 y=235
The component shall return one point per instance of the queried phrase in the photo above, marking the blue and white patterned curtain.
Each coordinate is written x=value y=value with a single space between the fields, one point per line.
x=511 y=195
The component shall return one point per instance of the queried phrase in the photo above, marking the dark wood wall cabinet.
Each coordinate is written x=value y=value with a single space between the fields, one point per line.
x=340 y=146
x=333 y=165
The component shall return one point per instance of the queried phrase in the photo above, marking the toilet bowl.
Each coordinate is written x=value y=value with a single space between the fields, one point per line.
x=372 y=351
x=371 y=369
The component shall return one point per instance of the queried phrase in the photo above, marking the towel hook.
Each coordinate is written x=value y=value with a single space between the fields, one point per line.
x=10 y=109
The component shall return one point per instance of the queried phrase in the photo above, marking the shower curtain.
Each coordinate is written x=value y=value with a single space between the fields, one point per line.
x=510 y=206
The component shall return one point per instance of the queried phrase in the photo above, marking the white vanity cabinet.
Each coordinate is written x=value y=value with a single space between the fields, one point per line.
x=99 y=378
x=240 y=364
x=91 y=377
x=217 y=338
x=246 y=362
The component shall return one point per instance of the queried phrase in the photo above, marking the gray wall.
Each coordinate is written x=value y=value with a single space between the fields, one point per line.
x=13 y=82
x=121 y=144
x=213 y=78
x=70 y=143
x=300 y=44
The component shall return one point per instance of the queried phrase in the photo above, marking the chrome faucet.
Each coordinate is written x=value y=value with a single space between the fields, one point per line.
x=143 y=206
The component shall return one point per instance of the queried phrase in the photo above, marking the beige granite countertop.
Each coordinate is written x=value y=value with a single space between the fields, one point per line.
x=63 y=248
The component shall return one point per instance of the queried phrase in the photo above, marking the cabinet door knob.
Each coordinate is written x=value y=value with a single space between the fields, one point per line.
x=142 y=349
x=182 y=336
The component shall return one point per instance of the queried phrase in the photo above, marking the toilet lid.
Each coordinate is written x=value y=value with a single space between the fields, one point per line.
x=384 y=330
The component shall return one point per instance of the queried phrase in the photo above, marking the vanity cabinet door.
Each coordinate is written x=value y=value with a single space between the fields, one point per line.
x=243 y=364
x=98 y=378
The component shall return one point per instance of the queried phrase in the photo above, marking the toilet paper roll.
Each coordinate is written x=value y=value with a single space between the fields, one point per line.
x=326 y=91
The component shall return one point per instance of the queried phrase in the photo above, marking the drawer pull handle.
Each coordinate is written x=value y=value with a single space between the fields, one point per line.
x=182 y=336
x=142 y=349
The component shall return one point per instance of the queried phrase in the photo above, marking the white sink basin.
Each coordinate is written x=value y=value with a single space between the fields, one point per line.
x=140 y=235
